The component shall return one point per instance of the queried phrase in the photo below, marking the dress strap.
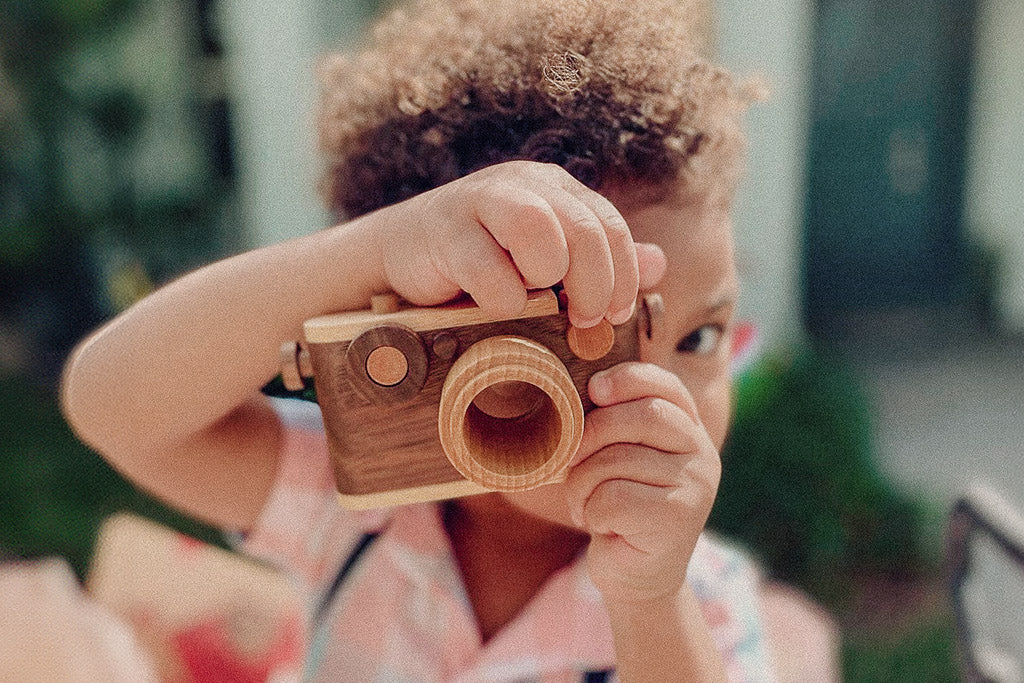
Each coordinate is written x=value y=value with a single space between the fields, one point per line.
x=346 y=568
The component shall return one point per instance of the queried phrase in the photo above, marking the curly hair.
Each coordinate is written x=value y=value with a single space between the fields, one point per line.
x=616 y=93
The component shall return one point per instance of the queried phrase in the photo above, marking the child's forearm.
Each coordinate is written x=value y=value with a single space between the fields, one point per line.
x=190 y=353
x=664 y=640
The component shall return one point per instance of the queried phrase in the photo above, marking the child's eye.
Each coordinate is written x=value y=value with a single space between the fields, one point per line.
x=704 y=340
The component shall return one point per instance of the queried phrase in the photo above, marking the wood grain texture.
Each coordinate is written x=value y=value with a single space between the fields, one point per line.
x=591 y=343
x=408 y=496
x=407 y=343
x=387 y=366
x=330 y=328
x=291 y=377
x=379 y=450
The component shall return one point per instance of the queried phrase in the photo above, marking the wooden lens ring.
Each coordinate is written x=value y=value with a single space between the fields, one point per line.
x=517 y=454
x=390 y=387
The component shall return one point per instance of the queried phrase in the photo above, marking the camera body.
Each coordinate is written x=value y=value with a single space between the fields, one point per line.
x=425 y=403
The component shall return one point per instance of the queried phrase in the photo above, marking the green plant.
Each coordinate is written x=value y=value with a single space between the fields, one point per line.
x=800 y=486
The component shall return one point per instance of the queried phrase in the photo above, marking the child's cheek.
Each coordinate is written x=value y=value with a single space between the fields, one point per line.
x=714 y=404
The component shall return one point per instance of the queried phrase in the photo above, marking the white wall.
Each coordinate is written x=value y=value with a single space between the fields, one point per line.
x=271 y=51
x=995 y=164
x=773 y=39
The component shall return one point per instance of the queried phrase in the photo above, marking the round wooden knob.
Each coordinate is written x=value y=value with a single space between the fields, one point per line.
x=510 y=417
x=591 y=343
x=387 y=364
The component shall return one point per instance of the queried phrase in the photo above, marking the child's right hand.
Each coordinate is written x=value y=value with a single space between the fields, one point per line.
x=512 y=227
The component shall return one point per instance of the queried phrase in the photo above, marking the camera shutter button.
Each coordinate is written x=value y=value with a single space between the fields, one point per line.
x=387 y=366
x=591 y=343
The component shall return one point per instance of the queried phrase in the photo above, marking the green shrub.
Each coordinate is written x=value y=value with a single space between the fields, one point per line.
x=800 y=487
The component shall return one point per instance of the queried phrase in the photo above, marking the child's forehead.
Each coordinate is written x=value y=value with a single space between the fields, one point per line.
x=698 y=244
x=675 y=220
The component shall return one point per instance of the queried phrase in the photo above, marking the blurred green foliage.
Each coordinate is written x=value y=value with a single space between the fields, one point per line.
x=800 y=485
x=925 y=653
x=83 y=121
x=801 y=489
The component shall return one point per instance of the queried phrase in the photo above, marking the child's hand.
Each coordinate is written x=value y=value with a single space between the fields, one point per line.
x=512 y=227
x=644 y=486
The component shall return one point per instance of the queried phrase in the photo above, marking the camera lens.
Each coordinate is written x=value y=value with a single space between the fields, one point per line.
x=510 y=417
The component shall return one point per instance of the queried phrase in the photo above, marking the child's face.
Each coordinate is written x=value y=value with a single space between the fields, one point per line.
x=699 y=289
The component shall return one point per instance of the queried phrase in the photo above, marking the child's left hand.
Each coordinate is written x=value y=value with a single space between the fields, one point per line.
x=645 y=479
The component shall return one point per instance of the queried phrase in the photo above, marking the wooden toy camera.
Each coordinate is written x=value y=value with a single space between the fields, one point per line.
x=429 y=403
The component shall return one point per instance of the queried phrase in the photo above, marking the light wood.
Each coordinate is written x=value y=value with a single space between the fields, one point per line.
x=517 y=453
x=416 y=494
x=591 y=343
x=384 y=303
x=344 y=326
x=387 y=366
x=305 y=364
x=509 y=400
x=295 y=365
x=291 y=377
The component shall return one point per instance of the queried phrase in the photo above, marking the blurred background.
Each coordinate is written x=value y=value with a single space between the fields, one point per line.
x=880 y=229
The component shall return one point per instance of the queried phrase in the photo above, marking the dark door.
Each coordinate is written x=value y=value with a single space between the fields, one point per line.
x=886 y=169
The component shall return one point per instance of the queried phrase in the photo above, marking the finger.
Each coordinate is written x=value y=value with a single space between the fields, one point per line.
x=621 y=565
x=627 y=462
x=590 y=279
x=481 y=268
x=633 y=380
x=641 y=465
x=651 y=263
x=652 y=422
x=623 y=250
x=524 y=224
x=650 y=519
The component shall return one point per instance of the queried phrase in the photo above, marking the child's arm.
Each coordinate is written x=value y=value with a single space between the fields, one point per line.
x=643 y=489
x=168 y=391
x=664 y=640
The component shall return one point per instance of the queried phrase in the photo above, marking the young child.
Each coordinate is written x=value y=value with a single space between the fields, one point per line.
x=488 y=148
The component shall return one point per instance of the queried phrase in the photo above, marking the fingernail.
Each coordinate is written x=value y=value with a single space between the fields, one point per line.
x=622 y=316
x=586 y=322
x=600 y=387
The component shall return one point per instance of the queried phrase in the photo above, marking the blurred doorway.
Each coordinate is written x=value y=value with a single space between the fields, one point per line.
x=886 y=168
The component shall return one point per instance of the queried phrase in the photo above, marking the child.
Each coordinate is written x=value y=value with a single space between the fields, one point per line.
x=490 y=148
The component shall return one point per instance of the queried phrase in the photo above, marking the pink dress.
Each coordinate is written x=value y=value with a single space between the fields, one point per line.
x=386 y=601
